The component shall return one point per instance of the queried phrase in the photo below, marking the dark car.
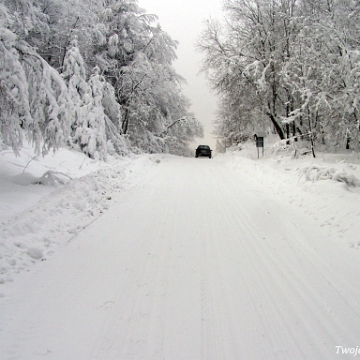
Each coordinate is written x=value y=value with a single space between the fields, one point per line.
x=203 y=150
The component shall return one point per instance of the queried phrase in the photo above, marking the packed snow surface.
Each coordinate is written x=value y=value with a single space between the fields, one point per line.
x=163 y=257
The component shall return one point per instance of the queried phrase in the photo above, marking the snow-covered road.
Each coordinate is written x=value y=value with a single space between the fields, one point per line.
x=197 y=261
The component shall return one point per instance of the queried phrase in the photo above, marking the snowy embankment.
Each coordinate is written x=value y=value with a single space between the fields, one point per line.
x=45 y=202
x=326 y=188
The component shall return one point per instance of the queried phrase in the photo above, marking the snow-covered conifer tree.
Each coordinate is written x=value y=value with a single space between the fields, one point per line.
x=116 y=141
x=74 y=73
x=96 y=117
x=89 y=126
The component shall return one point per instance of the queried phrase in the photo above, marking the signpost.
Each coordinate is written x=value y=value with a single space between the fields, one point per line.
x=259 y=139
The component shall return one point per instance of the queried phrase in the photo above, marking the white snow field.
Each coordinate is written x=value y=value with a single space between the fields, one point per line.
x=163 y=257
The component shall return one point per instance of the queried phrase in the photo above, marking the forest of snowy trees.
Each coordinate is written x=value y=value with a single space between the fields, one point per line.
x=94 y=75
x=286 y=66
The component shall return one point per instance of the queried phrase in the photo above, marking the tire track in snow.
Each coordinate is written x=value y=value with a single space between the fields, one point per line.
x=173 y=241
x=253 y=301
x=145 y=269
x=286 y=280
x=312 y=295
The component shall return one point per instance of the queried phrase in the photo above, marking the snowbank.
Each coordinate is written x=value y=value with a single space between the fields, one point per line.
x=45 y=202
x=326 y=188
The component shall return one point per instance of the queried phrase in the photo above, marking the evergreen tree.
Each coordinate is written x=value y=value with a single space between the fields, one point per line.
x=89 y=126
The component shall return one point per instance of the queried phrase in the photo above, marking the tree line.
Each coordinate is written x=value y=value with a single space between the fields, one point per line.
x=291 y=67
x=95 y=75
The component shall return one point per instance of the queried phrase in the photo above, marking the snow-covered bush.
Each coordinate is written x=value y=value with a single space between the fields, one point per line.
x=316 y=173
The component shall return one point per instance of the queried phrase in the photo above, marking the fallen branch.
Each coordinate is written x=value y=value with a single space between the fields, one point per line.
x=51 y=178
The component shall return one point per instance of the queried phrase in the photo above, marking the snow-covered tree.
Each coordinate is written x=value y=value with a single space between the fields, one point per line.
x=89 y=125
x=74 y=72
x=116 y=141
x=64 y=20
x=138 y=62
x=14 y=96
x=324 y=73
x=91 y=132
x=51 y=107
x=33 y=96
x=182 y=132
x=29 y=22
x=131 y=97
x=294 y=61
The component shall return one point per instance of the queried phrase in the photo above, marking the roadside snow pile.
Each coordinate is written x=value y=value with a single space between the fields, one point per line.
x=315 y=173
x=71 y=193
x=333 y=201
x=341 y=167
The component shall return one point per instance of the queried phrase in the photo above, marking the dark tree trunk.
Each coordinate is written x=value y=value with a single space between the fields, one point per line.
x=278 y=128
x=125 y=123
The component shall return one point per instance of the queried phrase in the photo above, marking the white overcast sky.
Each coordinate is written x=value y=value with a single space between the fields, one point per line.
x=183 y=20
